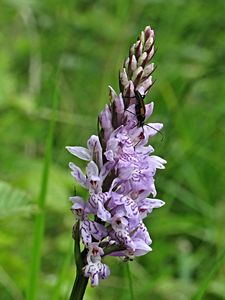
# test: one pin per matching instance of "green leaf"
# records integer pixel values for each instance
(14, 201)
(216, 264)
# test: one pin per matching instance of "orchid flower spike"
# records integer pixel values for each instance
(120, 170)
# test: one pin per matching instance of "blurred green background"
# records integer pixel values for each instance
(69, 52)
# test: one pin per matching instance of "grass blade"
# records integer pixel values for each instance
(9, 284)
(40, 217)
(203, 287)
(130, 282)
(63, 272)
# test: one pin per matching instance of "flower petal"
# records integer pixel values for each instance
(151, 129)
(98, 231)
(80, 152)
(78, 202)
(92, 170)
(78, 174)
(95, 149)
(105, 271)
(141, 248)
(149, 109)
(142, 233)
(157, 161)
(146, 206)
(85, 233)
(107, 167)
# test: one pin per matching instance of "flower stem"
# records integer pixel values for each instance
(80, 282)
(130, 282)
(79, 287)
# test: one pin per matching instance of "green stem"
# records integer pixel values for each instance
(79, 287)
(130, 282)
(80, 282)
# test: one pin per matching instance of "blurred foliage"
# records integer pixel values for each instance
(87, 42)
(13, 201)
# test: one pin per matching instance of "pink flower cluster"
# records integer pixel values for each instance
(120, 170)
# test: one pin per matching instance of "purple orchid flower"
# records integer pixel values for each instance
(94, 268)
(120, 170)
(88, 228)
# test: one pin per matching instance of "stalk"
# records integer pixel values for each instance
(80, 282)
